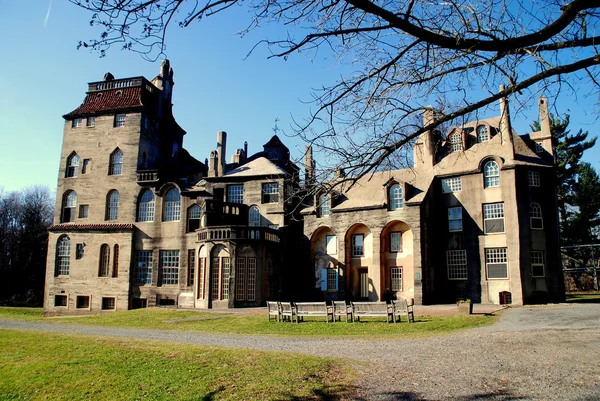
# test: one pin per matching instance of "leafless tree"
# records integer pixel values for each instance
(405, 55)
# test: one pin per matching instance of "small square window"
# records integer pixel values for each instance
(76, 123)
(539, 148)
(83, 211)
(83, 302)
(60, 300)
(108, 303)
(533, 178)
(396, 242)
(120, 120)
(78, 251)
(91, 122)
(270, 192)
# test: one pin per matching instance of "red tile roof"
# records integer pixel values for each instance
(109, 100)
(92, 227)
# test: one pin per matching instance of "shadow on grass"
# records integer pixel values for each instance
(211, 396)
(501, 395)
(326, 393)
(574, 299)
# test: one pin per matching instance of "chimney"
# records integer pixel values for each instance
(309, 166)
(237, 157)
(164, 80)
(505, 128)
(423, 150)
(544, 137)
(246, 148)
(221, 152)
(212, 164)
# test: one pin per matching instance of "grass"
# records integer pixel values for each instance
(590, 297)
(41, 366)
(169, 319)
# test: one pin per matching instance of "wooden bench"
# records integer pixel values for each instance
(340, 308)
(316, 309)
(287, 310)
(273, 310)
(403, 307)
(372, 309)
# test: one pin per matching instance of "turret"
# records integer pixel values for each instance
(505, 125)
(309, 166)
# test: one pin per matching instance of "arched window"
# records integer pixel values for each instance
(115, 272)
(172, 209)
(112, 205)
(194, 215)
(254, 216)
(491, 174)
(483, 133)
(324, 205)
(535, 216)
(456, 144)
(116, 163)
(146, 206)
(104, 261)
(72, 165)
(63, 251)
(396, 198)
(69, 205)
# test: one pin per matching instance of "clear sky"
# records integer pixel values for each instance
(43, 76)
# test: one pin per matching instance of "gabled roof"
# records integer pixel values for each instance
(259, 166)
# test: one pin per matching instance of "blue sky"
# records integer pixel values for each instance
(43, 76)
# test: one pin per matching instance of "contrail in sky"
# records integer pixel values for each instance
(48, 14)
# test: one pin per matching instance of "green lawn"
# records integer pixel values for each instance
(170, 319)
(40, 366)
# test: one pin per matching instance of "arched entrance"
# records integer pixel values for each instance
(397, 266)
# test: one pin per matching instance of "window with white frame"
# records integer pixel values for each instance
(172, 208)
(455, 216)
(483, 133)
(191, 266)
(145, 210)
(254, 216)
(112, 205)
(324, 205)
(270, 192)
(235, 193)
(535, 216)
(396, 278)
(539, 148)
(456, 142)
(76, 123)
(357, 241)
(396, 197)
(63, 256)
(116, 163)
(491, 174)
(169, 267)
(395, 241)
(69, 206)
(332, 279)
(496, 263)
(225, 271)
(457, 264)
(142, 271)
(240, 279)
(194, 215)
(331, 244)
(120, 120)
(91, 122)
(533, 178)
(452, 184)
(537, 264)
(493, 217)
(104, 265)
(72, 165)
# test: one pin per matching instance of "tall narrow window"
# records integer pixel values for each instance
(72, 165)
(235, 193)
(85, 166)
(112, 205)
(331, 244)
(63, 253)
(169, 267)
(116, 163)
(240, 279)
(535, 216)
(104, 261)
(254, 216)
(115, 272)
(324, 205)
(493, 217)
(455, 219)
(456, 144)
(225, 266)
(142, 273)
(331, 278)
(146, 206)
(251, 292)
(491, 174)
(69, 206)
(357, 245)
(214, 279)
(483, 133)
(194, 216)
(537, 264)
(396, 198)
(533, 178)
(396, 241)
(457, 264)
(172, 209)
(191, 266)
(396, 278)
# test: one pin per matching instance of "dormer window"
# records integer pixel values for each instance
(456, 142)
(324, 205)
(77, 123)
(120, 120)
(396, 197)
(483, 133)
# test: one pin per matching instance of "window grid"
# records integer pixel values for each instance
(457, 264)
(396, 198)
(491, 174)
(225, 265)
(254, 216)
(72, 165)
(214, 285)
(169, 267)
(455, 222)
(483, 133)
(60, 300)
(324, 205)
(235, 193)
(533, 178)
(456, 142)
(112, 211)
(240, 279)
(270, 192)
(332, 275)
(70, 206)
(91, 122)
(104, 261)
(172, 205)
(116, 163)
(539, 148)
(357, 245)
(82, 302)
(496, 261)
(77, 123)
(194, 216)
(251, 293)
(108, 303)
(395, 241)
(120, 120)
(201, 267)
(537, 264)
(63, 251)
(493, 217)
(115, 272)
(535, 216)
(191, 266)
(146, 206)
(143, 267)
(452, 184)
(396, 278)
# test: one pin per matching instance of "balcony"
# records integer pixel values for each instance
(219, 233)
(147, 176)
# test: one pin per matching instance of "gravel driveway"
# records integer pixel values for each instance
(539, 353)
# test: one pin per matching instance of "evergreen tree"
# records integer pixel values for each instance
(586, 220)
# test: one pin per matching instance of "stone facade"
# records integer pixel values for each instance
(139, 222)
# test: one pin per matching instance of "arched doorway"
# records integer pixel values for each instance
(397, 266)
